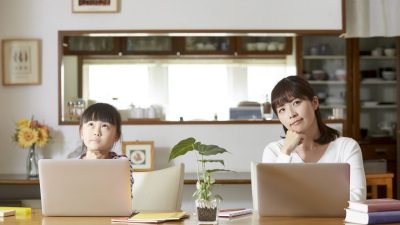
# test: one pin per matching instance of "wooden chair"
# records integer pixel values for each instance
(380, 179)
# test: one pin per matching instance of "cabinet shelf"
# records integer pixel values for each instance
(394, 106)
(327, 82)
(377, 81)
(323, 57)
(370, 57)
(323, 106)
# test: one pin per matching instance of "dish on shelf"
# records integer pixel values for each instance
(371, 80)
(370, 103)
(334, 101)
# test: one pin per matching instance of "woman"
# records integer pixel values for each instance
(307, 138)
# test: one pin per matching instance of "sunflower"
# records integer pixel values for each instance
(43, 136)
(23, 123)
(27, 137)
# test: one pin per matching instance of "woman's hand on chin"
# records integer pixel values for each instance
(292, 140)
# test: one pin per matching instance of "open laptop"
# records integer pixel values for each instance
(75, 187)
(303, 189)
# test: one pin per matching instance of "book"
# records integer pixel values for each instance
(376, 205)
(7, 212)
(353, 216)
(234, 212)
(151, 217)
(18, 210)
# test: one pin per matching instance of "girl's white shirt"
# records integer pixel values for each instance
(341, 150)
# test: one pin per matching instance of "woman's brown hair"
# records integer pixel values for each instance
(296, 87)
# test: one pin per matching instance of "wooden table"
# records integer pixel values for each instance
(36, 218)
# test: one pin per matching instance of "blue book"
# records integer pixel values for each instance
(353, 216)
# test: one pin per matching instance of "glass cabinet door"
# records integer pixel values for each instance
(89, 45)
(148, 45)
(265, 45)
(324, 66)
(378, 109)
(207, 45)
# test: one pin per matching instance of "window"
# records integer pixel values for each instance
(188, 90)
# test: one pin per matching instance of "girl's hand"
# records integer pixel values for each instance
(292, 140)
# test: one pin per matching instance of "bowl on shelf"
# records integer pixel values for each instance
(388, 75)
(340, 74)
(318, 74)
(389, 52)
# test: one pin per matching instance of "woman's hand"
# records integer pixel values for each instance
(292, 140)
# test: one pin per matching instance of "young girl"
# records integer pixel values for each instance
(308, 139)
(100, 129)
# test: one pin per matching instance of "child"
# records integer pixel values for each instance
(100, 129)
(307, 138)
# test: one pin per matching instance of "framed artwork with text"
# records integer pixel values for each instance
(21, 62)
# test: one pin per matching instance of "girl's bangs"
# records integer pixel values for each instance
(100, 115)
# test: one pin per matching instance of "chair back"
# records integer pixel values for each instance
(159, 190)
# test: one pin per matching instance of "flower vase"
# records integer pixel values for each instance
(207, 211)
(32, 163)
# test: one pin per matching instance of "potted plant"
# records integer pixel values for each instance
(206, 201)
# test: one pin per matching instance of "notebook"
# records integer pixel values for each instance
(76, 187)
(303, 189)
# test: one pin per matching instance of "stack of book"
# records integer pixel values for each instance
(373, 211)
(151, 217)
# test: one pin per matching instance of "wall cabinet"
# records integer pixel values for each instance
(177, 45)
(358, 80)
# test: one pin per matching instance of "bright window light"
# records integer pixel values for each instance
(261, 80)
(197, 92)
(119, 84)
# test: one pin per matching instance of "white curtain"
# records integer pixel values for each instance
(371, 18)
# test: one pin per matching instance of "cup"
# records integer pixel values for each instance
(337, 113)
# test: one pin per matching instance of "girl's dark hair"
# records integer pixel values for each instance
(102, 112)
(296, 87)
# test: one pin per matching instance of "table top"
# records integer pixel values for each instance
(254, 219)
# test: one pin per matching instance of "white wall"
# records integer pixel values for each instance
(43, 18)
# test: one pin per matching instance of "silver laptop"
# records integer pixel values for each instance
(303, 189)
(75, 187)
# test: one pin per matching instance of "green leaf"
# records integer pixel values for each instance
(213, 160)
(210, 149)
(182, 148)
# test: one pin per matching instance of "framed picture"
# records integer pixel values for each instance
(21, 61)
(95, 6)
(141, 154)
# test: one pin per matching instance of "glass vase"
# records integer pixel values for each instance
(32, 163)
(207, 211)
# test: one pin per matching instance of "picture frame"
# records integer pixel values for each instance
(21, 60)
(95, 6)
(141, 154)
